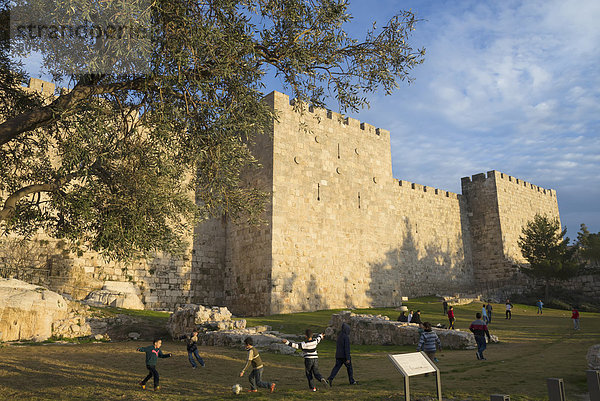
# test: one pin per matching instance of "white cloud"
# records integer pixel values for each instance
(512, 86)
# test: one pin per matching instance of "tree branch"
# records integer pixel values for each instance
(10, 205)
(24, 122)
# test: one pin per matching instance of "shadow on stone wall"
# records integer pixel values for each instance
(411, 270)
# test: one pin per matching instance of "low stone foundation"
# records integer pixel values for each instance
(263, 338)
(380, 330)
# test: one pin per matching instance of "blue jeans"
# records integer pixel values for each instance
(198, 357)
(255, 379)
(338, 364)
(481, 345)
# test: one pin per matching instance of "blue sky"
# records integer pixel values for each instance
(506, 85)
(509, 86)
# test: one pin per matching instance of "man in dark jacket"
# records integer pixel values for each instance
(342, 355)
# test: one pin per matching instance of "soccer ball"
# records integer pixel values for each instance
(236, 388)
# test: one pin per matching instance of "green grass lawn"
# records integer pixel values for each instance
(531, 349)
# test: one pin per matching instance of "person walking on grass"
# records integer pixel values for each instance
(539, 305)
(153, 352)
(255, 377)
(451, 318)
(429, 342)
(311, 359)
(445, 306)
(509, 307)
(488, 308)
(480, 331)
(191, 341)
(575, 317)
(342, 355)
(484, 315)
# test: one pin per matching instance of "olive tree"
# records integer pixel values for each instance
(111, 162)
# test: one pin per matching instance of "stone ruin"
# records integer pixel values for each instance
(189, 317)
(217, 328)
(32, 313)
(117, 294)
(380, 330)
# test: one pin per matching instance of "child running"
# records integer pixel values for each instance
(255, 377)
(311, 361)
(191, 341)
(153, 352)
(429, 342)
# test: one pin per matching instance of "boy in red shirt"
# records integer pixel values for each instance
(451, 318)
(575, 317)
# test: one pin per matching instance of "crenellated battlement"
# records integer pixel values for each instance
(281, 100)
(41, 86)
(427, 190)
(497, 175)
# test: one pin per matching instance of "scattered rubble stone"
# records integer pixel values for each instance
(191, 316)
(380, 330)
(593, 357)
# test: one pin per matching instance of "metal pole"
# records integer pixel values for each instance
(438, 384)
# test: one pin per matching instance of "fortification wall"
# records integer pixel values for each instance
(345, 232)
(499, 206)
(248, 261)
(339, 230)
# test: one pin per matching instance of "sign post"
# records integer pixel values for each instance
(414, 364)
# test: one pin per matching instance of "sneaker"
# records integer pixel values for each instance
(477, 355)
(330, 382)
(193, 367)
(253, 391)
(314, 389)
(272, 387)
(142, 385)
(324, 380)
(483, 358)
(435, 360)
(354, 383)
(157, 388)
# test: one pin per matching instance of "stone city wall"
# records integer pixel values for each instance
(345, 232)
(339, 231)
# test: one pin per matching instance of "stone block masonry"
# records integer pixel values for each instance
(339, 230)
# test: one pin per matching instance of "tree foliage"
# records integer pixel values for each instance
(111, 163)
(544, 246)
(588, 247)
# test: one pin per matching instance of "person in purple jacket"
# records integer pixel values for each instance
(342, 355)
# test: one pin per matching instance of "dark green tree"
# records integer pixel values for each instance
(545, 247)
(111, 163)
(588, 247)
